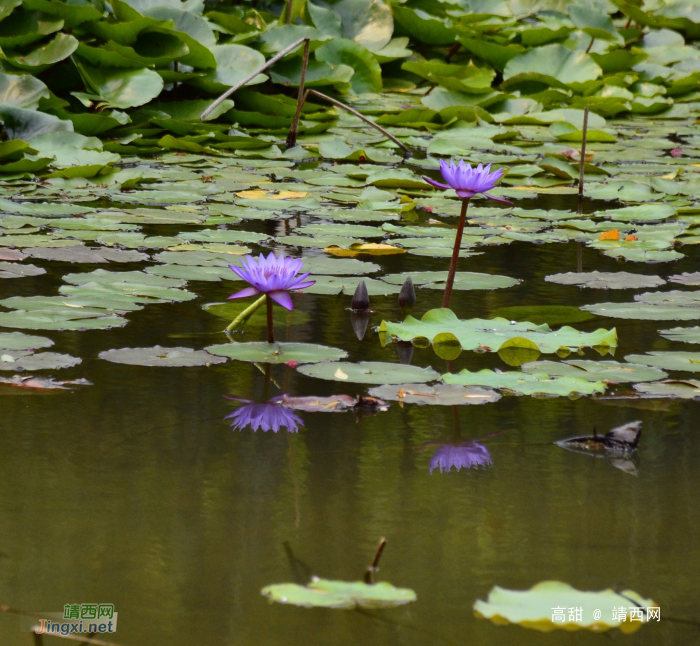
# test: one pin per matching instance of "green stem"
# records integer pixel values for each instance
(455, 253)
(243, 317)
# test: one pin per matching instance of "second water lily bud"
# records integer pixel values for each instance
(360, 299)
(407, 295)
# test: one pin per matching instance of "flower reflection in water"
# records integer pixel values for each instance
(466, 454)
(267, 416)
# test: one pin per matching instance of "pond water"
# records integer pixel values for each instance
(136, 491)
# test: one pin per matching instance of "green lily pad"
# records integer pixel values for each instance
(518, 350)
(82, 254)
(490, 334)
(348, 285)
(23, 360)
(668, 360)
(603, 280)
(607, 371)
(640, 213)
(686, 278)
(321, 593)
(370, 372)
(682, 334)
(644, 311)
(59, 320)
(19, 341)
(277, 352)
(159, 356)
(18, 270)
(533, 608)
(550, 314)
(672, 388)
(437, 395)
(464, 280)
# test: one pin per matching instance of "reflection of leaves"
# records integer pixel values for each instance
(533, 608)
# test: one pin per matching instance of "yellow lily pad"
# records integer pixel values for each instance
(372, 248)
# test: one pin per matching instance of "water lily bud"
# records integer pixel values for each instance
(407, 295)
(360, 299)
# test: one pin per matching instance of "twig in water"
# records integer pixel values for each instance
(374, 566)
(250, 77)
(337, 103)
(292, 135)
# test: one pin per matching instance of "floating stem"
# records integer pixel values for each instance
(250, 77)
(243, 317)
(455, 254)
(374, 565)
(292, 135)
(270, 325)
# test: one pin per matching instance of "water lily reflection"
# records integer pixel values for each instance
(464, 454)
(267, 416)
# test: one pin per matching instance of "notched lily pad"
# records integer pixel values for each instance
(19, 341)
(437, 395)
(80, 253)
(159, 356)
(27, 360)
(463, 280)
(277, 352)
(607, 371)
(321, 593)
(671, 388)
(18, 270)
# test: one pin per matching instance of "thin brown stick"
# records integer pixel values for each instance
(270, 326)
(292, 135)
(588, 49)
(374, 565)
(628, 23)
(250, 77)
(363, 117)
(288, 12)
(452, 51)
(455, 254)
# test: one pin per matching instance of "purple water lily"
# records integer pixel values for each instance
(468, 181)
(267, 416)
(272, 276)
(467, 455)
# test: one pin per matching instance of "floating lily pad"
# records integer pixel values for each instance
(19, 341)
(686, 278)
(23, 360)
(348, 285)
(602, 280)
(59, 320)
(159, 356)
(668, 360)
(533, 608)
(437, 395)
(321, 593)
(644, 311)
(522, 383)
(18, 270)
(370, 372)
(277, 352)
(672, 388)
(80, 253)
(607, 371)
(490, 334)
(463, 280)
(682, 334)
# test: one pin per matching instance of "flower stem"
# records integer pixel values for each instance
(243, 317)
(455, 253)
(270, 327)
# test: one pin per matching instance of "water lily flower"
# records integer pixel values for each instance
(468, 181)
(267, 416)
(272, 276)
(467, 455)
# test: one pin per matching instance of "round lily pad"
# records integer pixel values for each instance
(686, 389)
(321, 593)
(159, 356)
(370, 372)
(277, 352)
(550, 314)
(607, 371)
(682, 334)
(437, 395)
(686, 278)
(603, 280)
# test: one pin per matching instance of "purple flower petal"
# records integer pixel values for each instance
(248, 291)
(283, 298)
(498, 199)
(434, 183)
